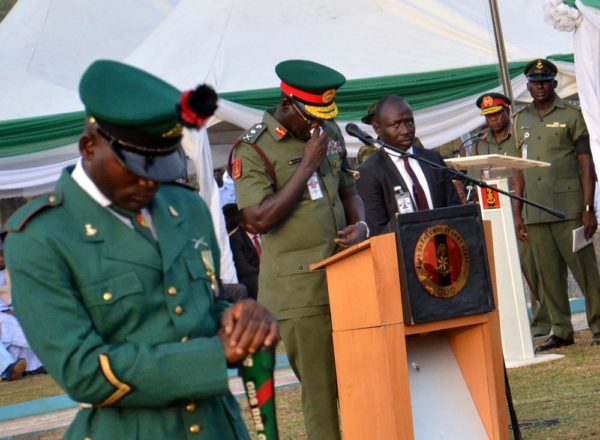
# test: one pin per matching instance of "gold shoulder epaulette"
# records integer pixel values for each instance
(23, 215)
(253, 133)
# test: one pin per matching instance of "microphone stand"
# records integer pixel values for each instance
(460, 175)
(463, 146)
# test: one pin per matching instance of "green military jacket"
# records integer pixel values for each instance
(287, 287)
(551, 138)
(124, 325)
(489, 145)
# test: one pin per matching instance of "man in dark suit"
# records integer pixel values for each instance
(388, 180)
(245, 247)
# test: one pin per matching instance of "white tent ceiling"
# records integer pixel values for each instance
(46, 44)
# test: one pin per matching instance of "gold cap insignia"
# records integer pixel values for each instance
(173, 132)
(488, 101)
(328, 96)
(539, 64)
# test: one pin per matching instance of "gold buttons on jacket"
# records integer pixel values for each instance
(178, 310)
(172, 291)
(107, 296)
(195, 429)
(184, 339)
(190, 407)
(52, 198)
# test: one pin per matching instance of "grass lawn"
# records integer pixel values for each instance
(553, 400)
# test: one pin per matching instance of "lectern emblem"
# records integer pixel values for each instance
(442, 261)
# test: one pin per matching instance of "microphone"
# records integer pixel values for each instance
(463, 145)
(353, 130)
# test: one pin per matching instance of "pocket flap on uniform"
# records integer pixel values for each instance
(298, 262)
(112, 289)
(196, 268)
(567, 185)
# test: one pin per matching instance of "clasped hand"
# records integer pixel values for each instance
(247, 327)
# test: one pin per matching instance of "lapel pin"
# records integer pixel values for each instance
(173, 212)
(90, 231)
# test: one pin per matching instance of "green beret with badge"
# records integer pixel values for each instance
(540, 70)
(312, 85)
(141, 116)
(490, 103)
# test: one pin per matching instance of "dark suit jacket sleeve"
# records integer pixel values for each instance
(246, 261)
(371, 188)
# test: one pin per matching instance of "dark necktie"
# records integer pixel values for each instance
(418, 192)
(137, 221)
(256, 243)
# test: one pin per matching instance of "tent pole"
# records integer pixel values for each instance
(504, 74)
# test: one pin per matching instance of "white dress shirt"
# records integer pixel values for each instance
(416, 166)
(83, 180)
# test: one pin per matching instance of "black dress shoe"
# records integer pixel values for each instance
(15, 370)
(595, 341)
(553, 342)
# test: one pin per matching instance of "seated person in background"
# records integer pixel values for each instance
(390, 183)
(16, 357)
(10, 368)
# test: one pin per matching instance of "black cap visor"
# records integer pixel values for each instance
(536, 78)
(163, 168)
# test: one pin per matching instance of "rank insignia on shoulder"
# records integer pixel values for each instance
(236, 168)
(280, 131)
(253, 133)
(24, 214)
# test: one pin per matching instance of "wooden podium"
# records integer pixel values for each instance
(382, 381)
(495, 169)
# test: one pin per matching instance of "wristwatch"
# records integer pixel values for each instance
(589, 208)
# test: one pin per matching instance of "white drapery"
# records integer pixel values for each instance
(36, 173)
(586, 45)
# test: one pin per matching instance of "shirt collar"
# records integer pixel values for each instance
(395, 155)
(83, 180)
(277, 130)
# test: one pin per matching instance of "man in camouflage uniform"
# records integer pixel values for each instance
(291, 186)
(553, 130)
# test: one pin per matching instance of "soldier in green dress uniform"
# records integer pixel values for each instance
(553, 130)
(291, 186)
(498, 139)
(115, 273)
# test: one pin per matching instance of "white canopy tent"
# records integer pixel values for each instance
(46, 44)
